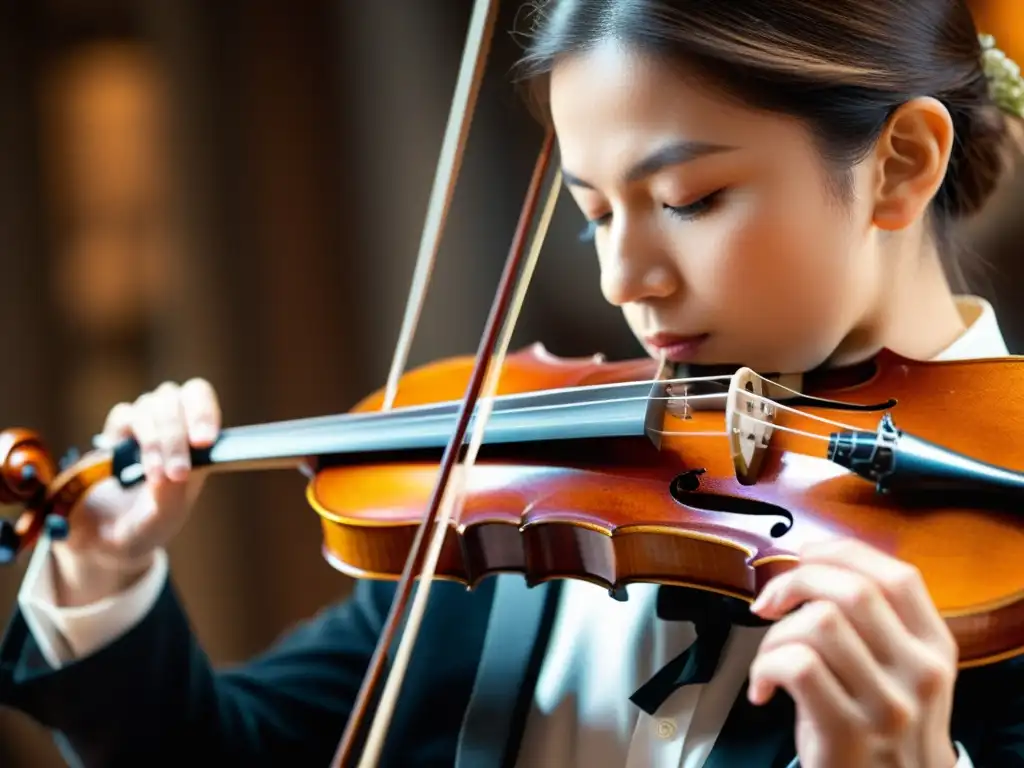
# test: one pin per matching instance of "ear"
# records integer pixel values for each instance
(911, 157)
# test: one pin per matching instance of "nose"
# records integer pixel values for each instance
(635, 268)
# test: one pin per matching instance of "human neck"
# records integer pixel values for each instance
(915, 316)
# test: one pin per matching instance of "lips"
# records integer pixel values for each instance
(675, 347)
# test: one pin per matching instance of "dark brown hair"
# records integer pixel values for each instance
(841, 66)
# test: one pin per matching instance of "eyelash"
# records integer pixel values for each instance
(689, 212)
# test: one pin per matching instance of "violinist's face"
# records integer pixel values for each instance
(743, 242)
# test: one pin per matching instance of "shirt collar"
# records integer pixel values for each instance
(982, 338)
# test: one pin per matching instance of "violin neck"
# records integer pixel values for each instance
(585, 413)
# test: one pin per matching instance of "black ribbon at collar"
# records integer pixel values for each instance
(713, 616)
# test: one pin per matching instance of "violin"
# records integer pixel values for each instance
(615, 472)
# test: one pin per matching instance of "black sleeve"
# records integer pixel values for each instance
(152, 697)
(988, 714)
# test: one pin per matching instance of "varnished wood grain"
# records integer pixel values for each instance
(593, 515)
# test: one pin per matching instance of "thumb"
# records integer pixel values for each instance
(152, 519)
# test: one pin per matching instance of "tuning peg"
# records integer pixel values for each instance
(69, 458)
(9, 540)
(56, 527)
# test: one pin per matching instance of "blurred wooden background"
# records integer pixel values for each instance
(236, 190)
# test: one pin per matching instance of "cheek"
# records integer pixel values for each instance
(780, 275)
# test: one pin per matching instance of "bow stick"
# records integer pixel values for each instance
(441, 508)
(444, 504)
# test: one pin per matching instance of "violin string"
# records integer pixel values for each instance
(512, 317)
(414, 410)
(413, 416)
(432, 412)
(317, 423)
(773, 425)
(289, 426)
(804, 414)
(256, 436)
(684, 433)
(436, 410)
(674, 399)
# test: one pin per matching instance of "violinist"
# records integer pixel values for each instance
(767, 183)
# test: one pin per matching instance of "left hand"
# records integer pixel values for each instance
(867, 659)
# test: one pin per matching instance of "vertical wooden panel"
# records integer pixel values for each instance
(264, 299)
(33, 352)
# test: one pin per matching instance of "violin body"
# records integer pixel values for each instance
(623, 510)
(694, 483)
(614, 472)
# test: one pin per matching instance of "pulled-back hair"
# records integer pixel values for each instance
(842, 67)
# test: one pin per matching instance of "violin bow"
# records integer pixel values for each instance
(443, 507)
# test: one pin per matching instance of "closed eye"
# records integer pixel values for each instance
(689, 212)
(696, 209)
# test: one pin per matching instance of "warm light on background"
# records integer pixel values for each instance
(237, 191)
(1004, 19)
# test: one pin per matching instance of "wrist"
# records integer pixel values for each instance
(947, 755)
(81, 579)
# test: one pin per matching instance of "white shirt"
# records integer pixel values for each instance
(601, 650)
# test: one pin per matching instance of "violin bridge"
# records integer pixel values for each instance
(748, 421)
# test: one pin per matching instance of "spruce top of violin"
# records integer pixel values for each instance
(913, 457)
(599, 471)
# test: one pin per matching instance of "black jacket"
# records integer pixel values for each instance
(151, 698)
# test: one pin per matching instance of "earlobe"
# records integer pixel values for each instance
(911, 156)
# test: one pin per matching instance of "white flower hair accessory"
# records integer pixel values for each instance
(1005, 85)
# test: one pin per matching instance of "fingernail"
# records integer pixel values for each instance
(754, 694)
(177, 469)
(205, 433)
(764, 600)
(761, 601)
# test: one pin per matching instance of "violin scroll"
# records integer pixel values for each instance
(26, 467)
(45, 489)
(26, 470)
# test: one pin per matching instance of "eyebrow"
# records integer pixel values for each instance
(671, 154)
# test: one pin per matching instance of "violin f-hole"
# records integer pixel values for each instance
(684, 492)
